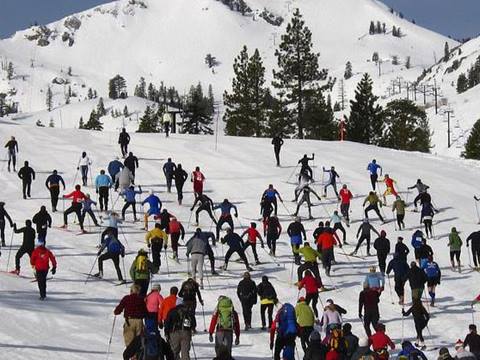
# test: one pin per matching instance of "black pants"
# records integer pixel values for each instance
(305, 333)
(84, 172)
(339, 226)
(116, 262)
(374, 208)
(283, 342)
(124, 148)
(370, 319)
(92, 215)
(247, 312)
(22, 251)
(223, 220)
(254, 249)
(134, 207)
(26, 187)
(2, 230)
(174, 237)
(269, 309)
(428, 227)
(361, 240)
(277, 154)
(42, 233)
(143, 286)
(206, 208)
(103, 192)
(476, 256)
(399, 286)
(169, 179)
(327, 257)
(313, 298)
(74, 208)
(109, 229)
(419, 326)
(12, 158)
(272, 242)
(179, 186)
(345, 209)
(401, 224)
(42, 282)
(54, 192)
(157, 253)
(332, 184)
(382, 260)
(274, 202)
(240, 253)
(312, 266)
(373, 180)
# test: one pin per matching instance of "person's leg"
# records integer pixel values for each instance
(92, 215)
(24, 189)
(174, 240)
(124, 209)
(42, 283)
(116, 263)
(157, 253)
(359, 243)
(255, 255)
(270, 315)
(220, 223)
(227, 257)
(377, 211)
(314, 304)
(242, 255)
(2, 231)
(101, 259)
(263, 309)
(22, 251)
(368, 245)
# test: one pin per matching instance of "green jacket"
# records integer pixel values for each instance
(136, 273)
(304, 314)
(454, 241)
(372, 200)
(399, 207)
(309, 253)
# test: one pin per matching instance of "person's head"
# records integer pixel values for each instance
(329, 302)
(373, 269)
(151, 192)
(26, 163)
(165, 211)
(225, 201)
(157, 287)
(179, 166)
(77, 187)
(43, 208)
(419, 181)
(454, 229)
(344, 186)
(55, 172)
(158, 226)
(41, 241)
(131, 187)
(335, 212)
(246, 275)
(327, 223)
(135, 289)
(347, 328)
(304, 155)
(169, 159)
(28, 223)
(365, 220)
(197, 168)
(444, 354)
(306, 244)
(406, 345)
(123, 130)
(371, 193)
(102, 172)
(130, 153)
(2, 204)
(308, 273)
(173, 290)
(198, 231)
(380, 327)
(253, 225)
(320, 224)
(400, 239)
(228, 229)
(413, 264)
(13, 137)
(386, 176)
(142, 252)
(472, 328)
(87, 196)
(301, 299)
(270, 186)
(264, 278)
(383, 233)
(84, 154)
(374, 161)
(297, 219)
(398, 197)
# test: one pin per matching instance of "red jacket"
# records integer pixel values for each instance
(168, 304)
(236, 324)
(41, 257)
(346, 196)
(197, 177)
(133, 306)
(389, 183)
(310, 284)
(252, 235)
(77, 195)
(326, 240)
(380, 340)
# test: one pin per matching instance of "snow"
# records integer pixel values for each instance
(75, 320)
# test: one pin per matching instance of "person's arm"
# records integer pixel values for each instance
(69, 195)
(303, 232)
(199, 295)
(195, 203)
(244, 233)
(49, 221)
(360, 304)
(260, 238)
(236, 210)
(8, 217)
(359, 229)
(182, 231)
(374, 230)
(120, 307)
(213, 324)
(135, 159)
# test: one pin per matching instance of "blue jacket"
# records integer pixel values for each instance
(373, 168)
(169, 168)
(114, 168)
(154, 203)
(410, 352)
(417, 239)
(225, 208)
(87, 204)
(400, 268)
(233, 240)
(374, 280)
(54, 180)
(129, 194)
(112, 245)
(103, 181)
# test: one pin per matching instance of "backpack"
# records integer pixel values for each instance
(335, 340)
(225, 313)
(114, 246)
(287, 322)
(188, 289)
(141, 264)
(431, 269)
(150, 342)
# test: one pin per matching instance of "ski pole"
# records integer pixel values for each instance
(9, 251)
(111, 336)
(204, 322)
(291, 174)
(124, 271)
(205, 271)
(291, 273)
(91, 270)
(273, 259)
(390, 288)
(403, 322)
(476, 208)
(325, 208)
(193, 348)
(166, 262)
(473, 315)
(188, 265)
(288, 212)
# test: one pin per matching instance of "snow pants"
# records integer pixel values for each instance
(54, 192)
(180, 341)
(223, 342)
(116, 262)
(42, 282)
(131, 329)
(287, 344)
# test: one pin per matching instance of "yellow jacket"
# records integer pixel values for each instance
(156, 233)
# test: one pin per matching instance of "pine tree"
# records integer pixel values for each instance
(10, 71)
(462, 83)
(49, 99)
(141, 89)
(378, 28)
(69, 71)
(211, 100)
(152, 93)
(319, 118)
(371, 31)
(348, 70)
(472, 146)
(81, 125)
(90, 93)
(101, 111)
(298, 67)
(446, 52)
(365, 124)
(406, 127)
(148, 122)
(93, 122)
(395, 60)
(375, 57)
(51, 123)
(384, 28)
(279, 118)
(197, 119)
(394, 30)
(117, 88)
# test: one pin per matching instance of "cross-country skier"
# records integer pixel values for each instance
(124, 140)
(350, 339)
(426, 217)
(12, 149)
(434, 275)
(168, 304)
(399, 207)
(206, 204)
(310, 256)
(306, 190)
(472, 340)
(77, 197)
(401, 249)
(235, 245)
(374, 202)
(368, 300)
(197, 179)
(417, 279)
(27, 174)
(155, 206)
(332, 180)
(154, 302)
(175, 230)
(83, 164)
(272, 231)
(266, 210)
(114, 168)
(103, 183)
(326, 241)
(305, 321)
(163, 219)
(411, 352)
(206, 236)
(53, 185)
(179, 327)
(277, 143)
(155, 239)
(364, 231)
(131, 163)
(189, 292)
(420, 186)
(112, 224)
(40, 261)
(270, 196)
(285, 329)
(375, 280)
(424, 252)
(455, 244)
(129, 195)
(42, 221)
(380, 342)
(225, 324)
(87, 209)
(268, 299)
(400, 270)
(225, 216)
(420, 318)
(28, 243)
(197, 249)
(389, 188)
(3, 215)
(373, 168)
(247, 294)
(423, 198)
(345, 197)
(114, 249)
(382, 245)
(331, 319)
(336, 220)
(141, 271)
(312, 286)
(169, 169)
(295, 231)
(180, 176)
(252, 237)
(306, 169)
(475, 239)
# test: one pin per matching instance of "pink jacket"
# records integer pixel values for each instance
(153, 301)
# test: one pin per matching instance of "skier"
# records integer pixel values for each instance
(336, 220)
(166, 127)
(463, 354)
(272, 231)
(285, 327)
(114, 249)
(316, 350)
(40, 259)
(180, 176)
(169, 169)
(225, 216)
(312, 287)
(134, 311)
(112, 220)
(129, 195)
(400, 270)
(369, 299)
(417, 241)
(155, 239)
(197, 248)
(277, 143)
(382, 245)
(124, 179)
(155, 205)
(389, 188)
(76, 207)
(380, 342)
(103, 183)
(374, 203)
(87, 209)
(364, 231)
(310, 255)
(12, 149)
(475, 238)
(306, 190)
(168, 304)
(235, 245)
(189, 292)
(420, 186)
(305, 320)
(423, 198)
(331, 319)
(206, 236)
(295, 231)
(427, 217)
(179, 327)
(175, 229)
(247, 294)
(332, 181)
(268, 298)
(266, 210)
(350, 339)
(374, 280)
(27, 174)
(124, 140)
(225, 324)
(399, 206)
(154, 302)
(197, 179)
(345, 197)
(306, 169)
(28, 244)
(424, 252)
(42, 221)
(417, 279)
(53, 185)
(434, 275)
(3, 215)
(411, 352)
(326, 241)
(114, 168)
(253, 234)
(83, 165)
(141, 271)
(472, 340)
(401, 249)
(206, 204)
(373, 168)
(270, 196)
(131, 163)
(455, 245)
(421, 318)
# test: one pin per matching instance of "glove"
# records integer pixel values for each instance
(54, 270)
(78, 168)
(271, 345)
(149, 245)
(191, 209)
(403, 312)
(263, 246)
(237, 341)
(210, 338)
(98, 253)
(201, 302)
(236, 215)
(123, 254)
(165, 247)
(160, 324)
(96, 191)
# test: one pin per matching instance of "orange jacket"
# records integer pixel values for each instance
(168, 304)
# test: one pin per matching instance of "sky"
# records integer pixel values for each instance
(456, 18)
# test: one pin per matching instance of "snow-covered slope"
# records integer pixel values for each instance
(76, 319)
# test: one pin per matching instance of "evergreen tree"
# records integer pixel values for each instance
(10, 71)
(365, 124)
(125, 111)
(375, 57)
(81, 124)
(348, 70)
(51, 123)
(462, 83)
(378, 28)
(371, 31)
(152, 93)
(406, 127)
(394, 30)
(90, 93)
(197, 117)
(211, 99)
(319, 118)
(49, 99)
(141, 89)
(384, 28)
(298, 67)
(117, 88)
(279, 120)
(101, 111)
(395, 60)
(95, 94)
(148, 122)
(446, 52)
(408, 64)
(93, 122)
(69, 71)
(67, 97)
(472, 147)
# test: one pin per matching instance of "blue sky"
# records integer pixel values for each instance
(457, 18)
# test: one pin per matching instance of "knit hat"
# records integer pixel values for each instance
(444, 354)
(301, 299)
(157, 287)
(458, 344)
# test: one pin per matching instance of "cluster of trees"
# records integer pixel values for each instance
(163, 95)
(6, 107)
(472, 146)
(117, 88)
(397, 32)
(377, 28)
(471, 79)
(94, 122)
(237, 5)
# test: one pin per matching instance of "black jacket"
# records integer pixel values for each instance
(425, 251)
(178, 319)
(28, 237)
(247, 291)
(402, 250)
(296, 228)
(189, 291)
(180, 176)
(4, 214)
(123, 138)
(42, 219)
(131, 162)
(26, 173)
(382, 245)
(417, 278)
(265, 290)
(277, 142)
(473, 341)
